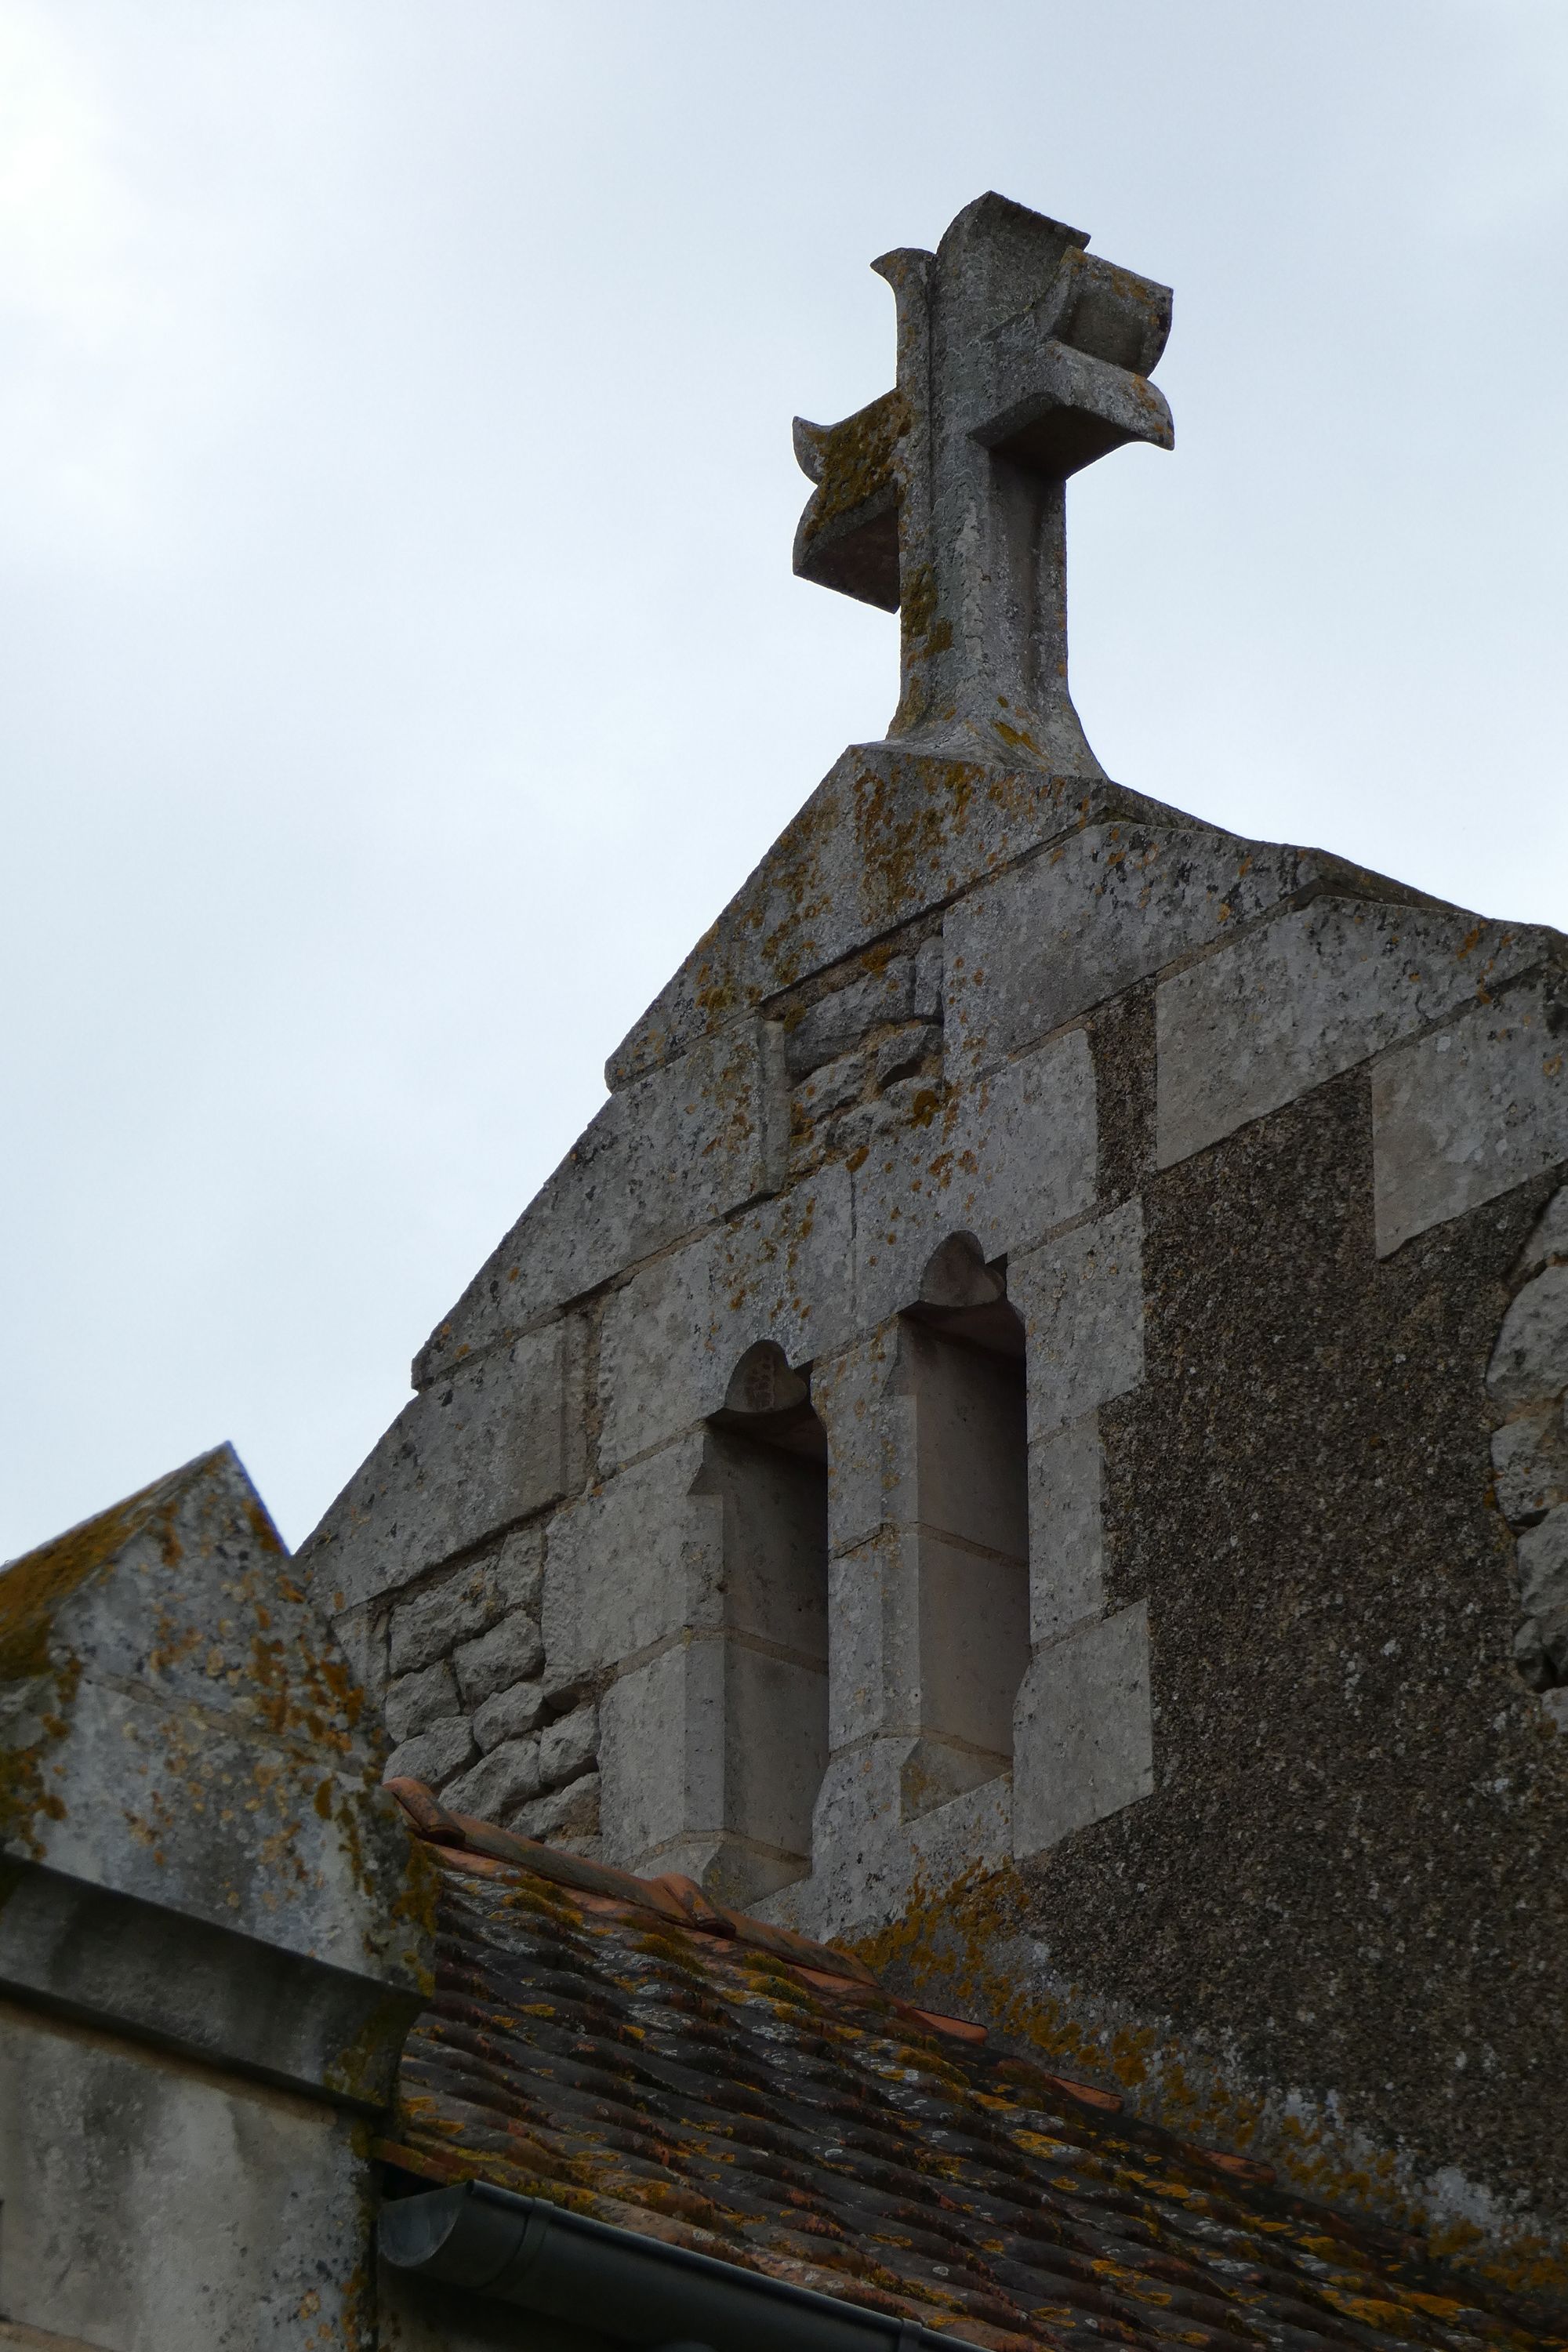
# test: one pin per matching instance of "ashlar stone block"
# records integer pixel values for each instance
(1081, 1298)
(1006, 1160)
(1308, 994)
(631, 1565)
(863, 1689)
(1067, 1576)
(674, 1333)
(152, 2204)
(178, 1729)
(784, 1272)
(1088, 917)
(1083, 1735)
(676, 1149)
(1464, 1115)
(495, 1442)
(661, 1750)
(847, 1394)
(659, 1370)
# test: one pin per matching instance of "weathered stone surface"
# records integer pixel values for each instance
(1013, 343)
(659, 1369)
(177, 1726)
(509, 1714)
(1083, 1733)
(846, 1392)
(674, 1333)
(1544, 1564)
(1005, 1160)
(1530, 1463)
(888, 834)
(1550, 1239)
(568, 1816)
(869, 1859)
(434, 1754)
(675, 1149)
(568, 1746)
(615, 1574)
(784, 1272)
(510, 1652)
(867, 1693)
(1067, 1566)
(429, 1624)
(1308, 994)
(1050, 939)
(1531, 1361)
(838, 1021)
(1081, 1299)
(927, 1004)
(660, 1753)
(907, 1052)
(417, 1701)
(494, 1442)
(1479, 1107)
(493, 1788)
(832, 1088)
(516, 1573)
(150, 2204)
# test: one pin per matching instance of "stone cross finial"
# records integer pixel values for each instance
(1020, 360)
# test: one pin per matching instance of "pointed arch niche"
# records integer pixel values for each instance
(765, 1461)
(962, 1374)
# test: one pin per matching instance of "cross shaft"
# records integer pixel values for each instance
(1021, 359)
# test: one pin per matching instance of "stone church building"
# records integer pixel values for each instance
(1017, 1470)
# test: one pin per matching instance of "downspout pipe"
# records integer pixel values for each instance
(519, 2250)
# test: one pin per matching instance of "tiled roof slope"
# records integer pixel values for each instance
(627, 2049)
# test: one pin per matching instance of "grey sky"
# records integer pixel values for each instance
(403, 661)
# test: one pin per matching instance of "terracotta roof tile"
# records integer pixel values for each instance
(629, 2048)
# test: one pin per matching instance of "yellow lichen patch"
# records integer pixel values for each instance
(855, 460)
(33, 1587)
(957, 1946)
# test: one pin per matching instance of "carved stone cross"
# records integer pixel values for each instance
(1020, 360)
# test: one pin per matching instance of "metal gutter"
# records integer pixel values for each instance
(520, 2251)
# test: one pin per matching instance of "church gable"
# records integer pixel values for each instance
(1015, 1342)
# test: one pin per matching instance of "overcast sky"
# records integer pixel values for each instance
(403, 663)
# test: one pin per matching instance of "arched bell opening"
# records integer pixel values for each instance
(963, 1370)
(766, 1457)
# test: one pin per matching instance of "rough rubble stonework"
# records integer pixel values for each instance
(1124, 1215)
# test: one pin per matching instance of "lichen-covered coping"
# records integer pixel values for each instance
(624, 2048)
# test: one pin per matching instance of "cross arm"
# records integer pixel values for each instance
(849, 535)
(1067, 380)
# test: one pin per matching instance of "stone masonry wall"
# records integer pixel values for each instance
(1226, 1153)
